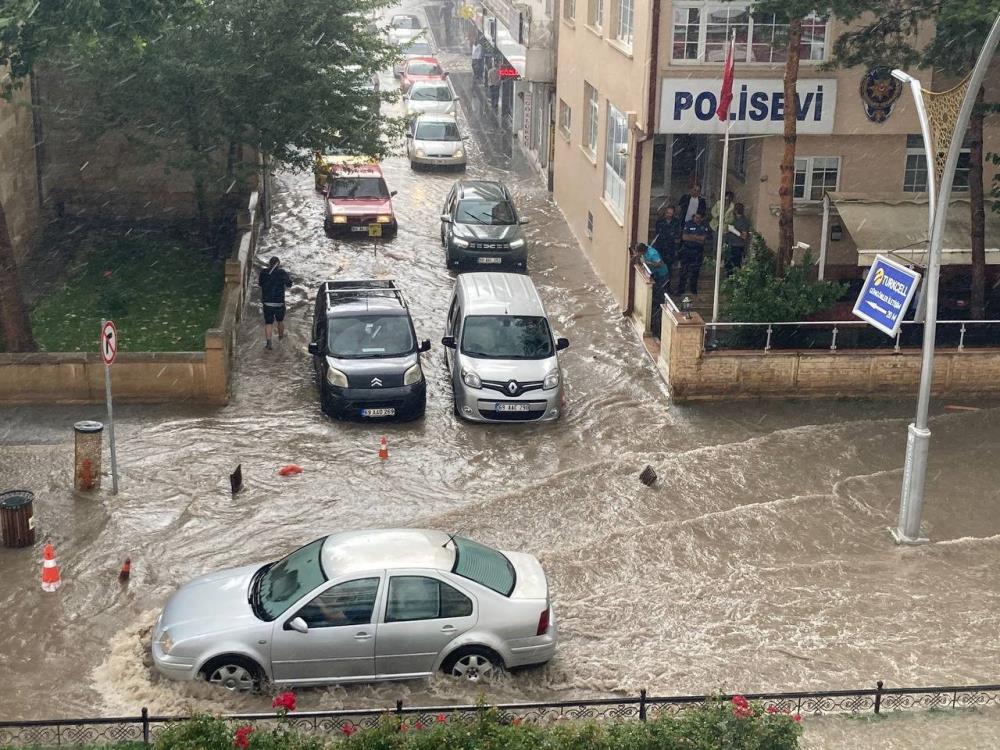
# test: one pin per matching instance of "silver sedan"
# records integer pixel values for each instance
(360, 606)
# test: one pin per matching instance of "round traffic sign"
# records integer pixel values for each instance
(109, 342)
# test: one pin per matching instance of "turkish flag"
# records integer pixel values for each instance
(726, 95)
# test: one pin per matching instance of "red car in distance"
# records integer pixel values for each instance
(356, 198)
(421, 69)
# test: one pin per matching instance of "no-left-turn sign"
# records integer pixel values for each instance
(109, 342)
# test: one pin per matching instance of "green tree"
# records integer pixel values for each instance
(29, 32)
(891, 37)
(284, 77)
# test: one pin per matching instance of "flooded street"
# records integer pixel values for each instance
(759, 561)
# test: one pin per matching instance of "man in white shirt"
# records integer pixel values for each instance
(477, 61)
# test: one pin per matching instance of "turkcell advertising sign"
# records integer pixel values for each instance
(688, 105)
(886, 294)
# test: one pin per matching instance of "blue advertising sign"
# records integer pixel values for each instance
(886, 294)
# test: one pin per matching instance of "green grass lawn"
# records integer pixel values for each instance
(162, 292)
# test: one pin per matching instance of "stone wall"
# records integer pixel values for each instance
(694, 374)
(47, 377)
(18, 170)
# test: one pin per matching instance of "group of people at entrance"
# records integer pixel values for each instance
(486, 69)
(682, 236)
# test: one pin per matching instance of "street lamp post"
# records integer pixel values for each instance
(925, 131)
(918, 437)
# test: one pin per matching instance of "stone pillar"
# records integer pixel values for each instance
(642, 301)
(216, 367)
(682, 345)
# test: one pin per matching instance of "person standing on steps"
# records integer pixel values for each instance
(695, 235)
(273, 281)
(692, 203)
(493, 82)
(737, 236)
(477, 60)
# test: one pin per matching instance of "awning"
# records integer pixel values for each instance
(895, 224)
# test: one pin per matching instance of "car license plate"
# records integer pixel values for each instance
(513, 407)
(378, 412)
(491, 260)
(362, 228)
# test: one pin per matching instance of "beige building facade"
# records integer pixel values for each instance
(635, 129)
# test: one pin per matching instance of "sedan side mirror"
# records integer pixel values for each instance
(446, 218)
(298, 625)
(392, 193)
(425, 346)
(313, 348)
(562, 344)
(409, 135)
(448, 341)
(524, 221)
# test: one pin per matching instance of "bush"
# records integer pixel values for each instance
(756, 294)
(730, 725)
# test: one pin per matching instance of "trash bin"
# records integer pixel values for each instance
(17, 519)
(87, 462)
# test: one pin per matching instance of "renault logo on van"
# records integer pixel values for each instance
(512, 387)
(376, 383)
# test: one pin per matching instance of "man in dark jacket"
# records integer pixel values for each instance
(667, 238)
(693, 241)
(692, 203)
(273, 281)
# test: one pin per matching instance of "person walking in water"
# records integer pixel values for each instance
(273, 281)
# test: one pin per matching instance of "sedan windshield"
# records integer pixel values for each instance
(483, 565)
(484, 212)
(358, 187)
(288, 580)
(506, 337)
(437, 131)
(418, 49)
(369, 336)
(405, 22)
(424, 69)
(430, 94)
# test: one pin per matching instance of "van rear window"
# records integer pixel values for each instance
(484, 565)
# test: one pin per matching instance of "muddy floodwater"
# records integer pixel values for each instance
(759, 561)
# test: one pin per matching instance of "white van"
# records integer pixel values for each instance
(500, 351)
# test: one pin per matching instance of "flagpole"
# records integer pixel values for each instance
(722, 228)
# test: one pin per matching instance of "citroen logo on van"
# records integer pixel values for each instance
(376, 383)
(512, 387)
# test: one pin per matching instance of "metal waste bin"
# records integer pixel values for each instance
(17, 518)
(87, 462)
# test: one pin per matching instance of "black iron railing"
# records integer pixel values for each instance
(144, 728)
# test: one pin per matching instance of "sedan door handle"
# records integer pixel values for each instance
(448, 629)
(362, 636)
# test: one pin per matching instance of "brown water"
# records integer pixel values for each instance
(759, 561)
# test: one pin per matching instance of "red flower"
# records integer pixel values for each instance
(284, 702)
(241, 738)
(772, 709)
(404, 727)
(442, 718)
(418, 725)
(108, 274)
(348, 730)
(516, 722)
(740, 702)
(797, 717)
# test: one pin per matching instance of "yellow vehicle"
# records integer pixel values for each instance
(324, 160)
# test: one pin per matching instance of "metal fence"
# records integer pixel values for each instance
(144, 729)
(829, 335)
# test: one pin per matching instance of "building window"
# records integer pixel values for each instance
(703, 28)
(624, 11)
(616, 160)
(595, 13)
(590, 225)
(814, 176)
(915, 172)
(565, 117)
(590, 115)
(569, 9)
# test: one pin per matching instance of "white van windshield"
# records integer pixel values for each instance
(507, 337)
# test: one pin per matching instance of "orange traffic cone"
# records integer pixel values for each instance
(383, 448)
(126, 570)
(50, 570)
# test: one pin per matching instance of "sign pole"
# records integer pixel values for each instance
(911, 498)
(109, 346)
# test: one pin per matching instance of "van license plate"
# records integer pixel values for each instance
(361, 228)
(513, 407)
(491, 260)
(378, 412)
